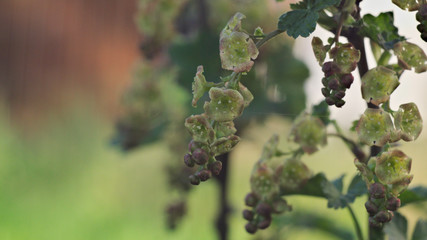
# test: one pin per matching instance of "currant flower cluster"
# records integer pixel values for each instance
(213, 132)
(338, 76)
(271, 180)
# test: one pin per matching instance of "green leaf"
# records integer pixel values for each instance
(321, 111)
(333, 193)
(313, 187)
(338, 183)
(413, 195)
(420, 232)
(381, 30)
(299, 22)
(302, 20)
(398, 227)
(356, 188)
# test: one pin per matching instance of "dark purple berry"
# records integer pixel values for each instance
(371, 208)
(393, 203)
(339, 94)
(330, 101)
(377, 190)
(200, 156)
(325, 82)
(195, 180)
(325, 92)
(374, 223)
(383, 216)
(327, 67)
(264, 223)
(333, 84)
(263, 209)
(248, 214)
(204, 175)
(347, 80)
(423, 11)
(339, 103)
(215, 167)
(251, 228)
(188, 160)
(251, 200)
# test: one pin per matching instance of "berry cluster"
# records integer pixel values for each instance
(421, 17)
(380, 206)
(259, 217)
(338, 75)
(198, 154)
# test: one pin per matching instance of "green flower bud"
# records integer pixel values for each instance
(225, 104)
(224, 144)
(410, 56)
(199, 128)
(309, 132)
(378, 84)
(408, 120)
(345, 56)
(236, 47)
(292, 174)
(198, 86)
(263, 182)
(280, 205)
(319, 50)
(375, 127)
(393, 167)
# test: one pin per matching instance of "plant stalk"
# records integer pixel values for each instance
(356, 223)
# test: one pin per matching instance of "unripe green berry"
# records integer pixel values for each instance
(251, 228)
(251, 200)
(377, 191)
(188, 160)
(248, 214)
(393, 203)
(200, 156)
(325, 82)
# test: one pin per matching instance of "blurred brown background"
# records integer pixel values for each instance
(51, 50)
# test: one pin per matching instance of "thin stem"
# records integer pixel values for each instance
(356, 223)
(268, 37)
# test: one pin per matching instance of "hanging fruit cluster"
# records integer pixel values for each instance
(338, 76)
(213, 131)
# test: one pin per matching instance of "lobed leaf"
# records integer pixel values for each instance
(300, 22)
(420, 231)
(398, 227)
(381, 29)
(413, 195)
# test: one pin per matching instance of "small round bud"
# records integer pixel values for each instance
(251, 200)
(264, 223)
(251, 228)
(204, 175)
(377, 191)
(195, 180)
(330, 101)
(393, 203)
(334, 84)
(347, 80)
(263, 209)
(280, 205)
(374, 223)
(200, 156)
(248, 214)
(325, 92)
(371, 208)
(383, 216)
(188, 160)
(215, 167)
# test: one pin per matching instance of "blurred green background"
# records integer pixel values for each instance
(63, 67)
